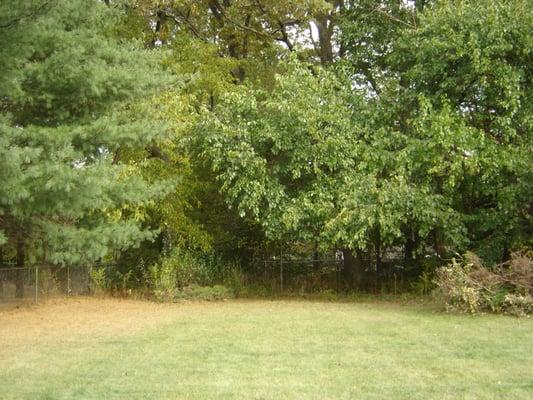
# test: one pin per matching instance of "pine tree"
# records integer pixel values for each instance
(70, 91)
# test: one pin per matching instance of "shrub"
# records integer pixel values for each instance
(424, 284)
(468, 286)
(99, 283)
(48, 282)
(234, 278)
(163, 280)
(182, 270)
(518, 305)
(192, 268)
(122, 283)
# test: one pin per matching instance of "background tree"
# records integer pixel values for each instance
(473, 61)
(449, 81)
(414, 151)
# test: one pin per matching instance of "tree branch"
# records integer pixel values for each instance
(30, 15)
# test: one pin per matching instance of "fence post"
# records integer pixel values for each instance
(36, 283)
(68, 280)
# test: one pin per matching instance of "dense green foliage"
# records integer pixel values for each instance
(395, 133)
(275, 160)
(68, 88)
(472, 66)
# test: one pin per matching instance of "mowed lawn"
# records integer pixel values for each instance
(117, 349)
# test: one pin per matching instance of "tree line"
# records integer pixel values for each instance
(218, 132)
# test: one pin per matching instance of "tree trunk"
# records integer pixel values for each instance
(506, 254)
(438, 243)
(353, 267)
(348, 268)
(409, 247)
(325, 33)
(316, 258)
(19, 274)
(359, 271)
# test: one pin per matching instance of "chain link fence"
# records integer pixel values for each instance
(296, 274)
(32, 284)
(309, 275)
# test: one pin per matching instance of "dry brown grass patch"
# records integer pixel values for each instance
(91, 318)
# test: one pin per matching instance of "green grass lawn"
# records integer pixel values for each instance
(271, 350)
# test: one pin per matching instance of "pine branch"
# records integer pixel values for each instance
(22, 17)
